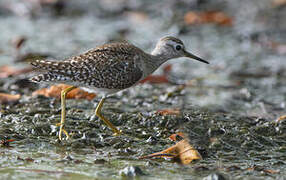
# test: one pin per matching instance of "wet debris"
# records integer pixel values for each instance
(131, 171)
(262, 169)
(5, 142)
(233, 168)
(165, 112)
(249, 73)
(201, 168)
(28, 159)
(69, 159)
(99, 161)
(215, 176)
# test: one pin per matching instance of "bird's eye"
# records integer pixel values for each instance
(178, 47)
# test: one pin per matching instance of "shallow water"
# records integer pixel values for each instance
(228, 110)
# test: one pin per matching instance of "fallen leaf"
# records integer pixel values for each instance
(278, 3)
(187, 153)
(7, 71)
(165, 112)
(281, 118)
(9, 98)
(182, 152)
(261, 168)
(192, 18)
(175, 137)
(28, 159)
(271, 171)
(155, 79)
(233, 168)
(55, 91)
(215, 17)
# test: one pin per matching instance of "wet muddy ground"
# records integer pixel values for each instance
(228, 109)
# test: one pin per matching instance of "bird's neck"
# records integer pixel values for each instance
(153, 61)
(159, 57)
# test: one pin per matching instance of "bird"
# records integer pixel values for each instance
(108, 68)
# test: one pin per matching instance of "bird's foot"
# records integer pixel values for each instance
(117, 132)
(62, 130)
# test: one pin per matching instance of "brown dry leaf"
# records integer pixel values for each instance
(271, 171)
(155, 79)
(281, 118)
(9, 98)
(278, 3)
(6, 71)
(182, 152)
(186, 153)
(55, 91)
(215, 17)
(158, 78)
(261, 168)
(174, 137)
(165, 112)
(192, 18)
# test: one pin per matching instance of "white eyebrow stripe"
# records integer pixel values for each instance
(173, 43)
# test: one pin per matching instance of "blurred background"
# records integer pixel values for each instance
(241, 39)
(244, 41)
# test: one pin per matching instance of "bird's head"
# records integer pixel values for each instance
(170, 47)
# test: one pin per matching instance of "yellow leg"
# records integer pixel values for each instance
(63, 112)
(108, 123)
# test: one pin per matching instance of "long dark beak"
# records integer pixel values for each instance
(190, 55)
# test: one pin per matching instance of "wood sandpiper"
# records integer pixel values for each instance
(108, 68)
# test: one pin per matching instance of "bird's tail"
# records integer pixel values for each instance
(48, 77)
(41, 77)
(55, 71)
(51, 66)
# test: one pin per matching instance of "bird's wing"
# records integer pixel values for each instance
(108, 66)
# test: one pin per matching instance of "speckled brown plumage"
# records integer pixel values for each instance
(111, 66)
